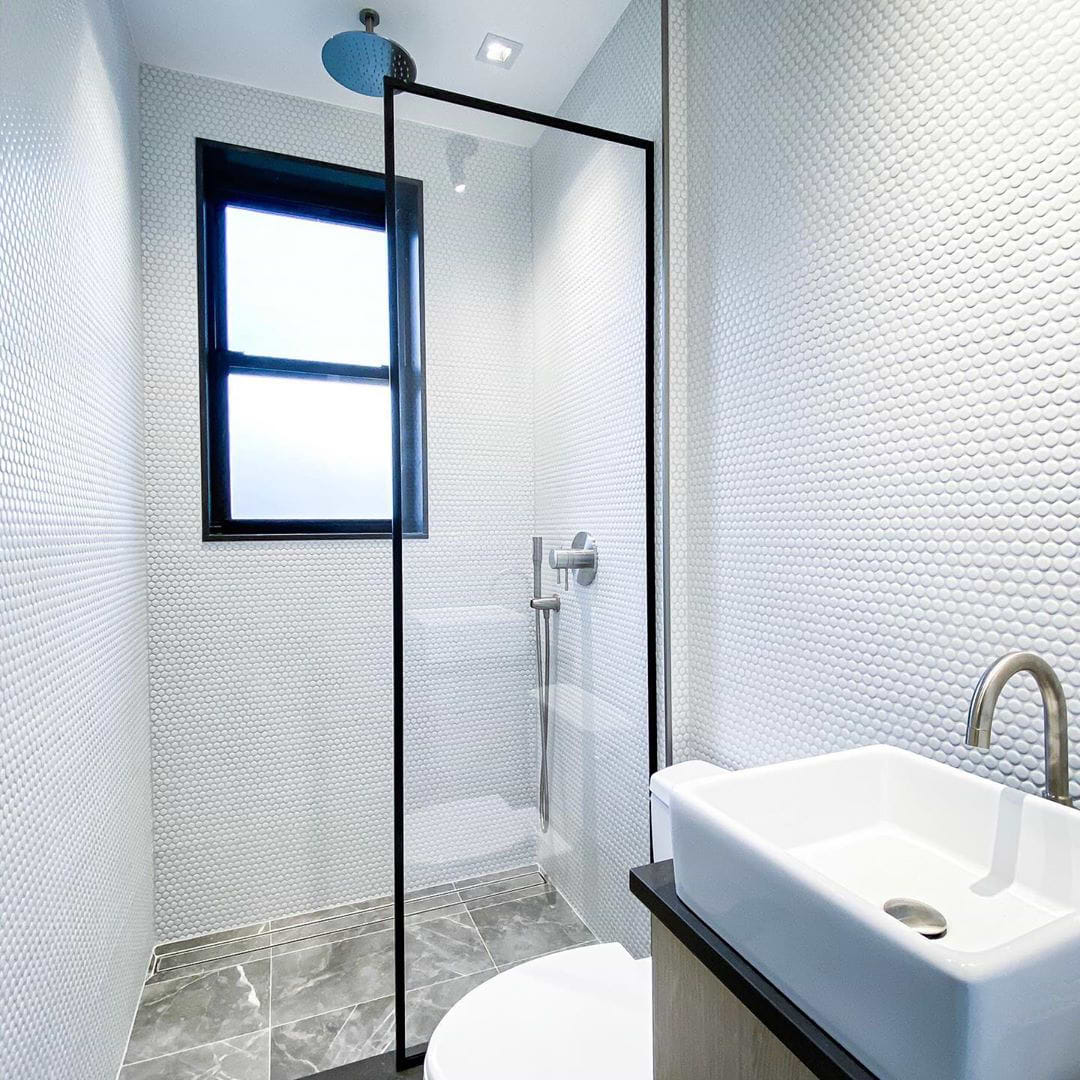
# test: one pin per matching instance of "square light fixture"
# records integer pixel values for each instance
(500, 51)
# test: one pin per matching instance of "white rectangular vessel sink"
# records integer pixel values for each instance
(791, 864)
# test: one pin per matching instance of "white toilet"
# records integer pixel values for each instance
(582, 1014)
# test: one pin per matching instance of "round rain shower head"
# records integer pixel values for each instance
(360, 59)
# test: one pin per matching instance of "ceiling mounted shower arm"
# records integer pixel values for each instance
(370, 18)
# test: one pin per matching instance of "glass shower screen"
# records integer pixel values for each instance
(522, 327)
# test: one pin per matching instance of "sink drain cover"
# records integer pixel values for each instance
(922, 918)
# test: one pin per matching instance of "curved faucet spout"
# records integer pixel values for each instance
(1055, 716)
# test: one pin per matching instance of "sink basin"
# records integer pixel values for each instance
(791, 864)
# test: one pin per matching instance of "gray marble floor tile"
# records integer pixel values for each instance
(367, 920)
(351, 1034)
(331, 1039)
(416, 902)
(504, 888)
(182, 1013)
(317, 980)
(327, 930)
(313, 916)
(374, 902)
(444, 902)
(309, 980)
(244, 1058)
(497, 875)
(211, 939)
(441, 949)
(290, 942)
(431, 890)
(386, 902)
(483, 900)
(182, 966)
(426, 1006)
(411, 894)
(533, 926)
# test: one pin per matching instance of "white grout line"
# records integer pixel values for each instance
(482, 941)
(352, 1006)
(198, 1046)
(453, 978)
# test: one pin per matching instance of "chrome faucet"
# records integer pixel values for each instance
(1055, 716)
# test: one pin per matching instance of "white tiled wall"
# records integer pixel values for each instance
(589, 437)
(270, 663)
(75, 837)
(884, 417)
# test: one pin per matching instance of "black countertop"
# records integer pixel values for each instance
(654, 886)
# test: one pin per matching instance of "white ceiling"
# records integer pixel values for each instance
(276, 45)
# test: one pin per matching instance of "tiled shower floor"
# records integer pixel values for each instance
(291, 997)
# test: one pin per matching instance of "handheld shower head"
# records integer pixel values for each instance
(360, 59)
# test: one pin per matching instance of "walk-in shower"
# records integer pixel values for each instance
(524, 708)
(444, 774)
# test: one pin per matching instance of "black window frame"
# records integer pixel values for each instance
(228, 175)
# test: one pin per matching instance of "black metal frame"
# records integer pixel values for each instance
(404, 1056)
(228, 175)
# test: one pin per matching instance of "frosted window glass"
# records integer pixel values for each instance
(308, 449)
(302, 289)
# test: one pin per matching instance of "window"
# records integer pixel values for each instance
(295, 348)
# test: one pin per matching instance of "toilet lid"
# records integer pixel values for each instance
(585, 1013)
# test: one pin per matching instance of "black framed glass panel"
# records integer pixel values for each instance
(524, 734)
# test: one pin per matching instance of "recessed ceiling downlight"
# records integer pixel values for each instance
(500, 51)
